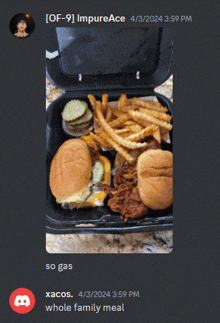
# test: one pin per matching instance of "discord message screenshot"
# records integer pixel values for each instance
(109, 160)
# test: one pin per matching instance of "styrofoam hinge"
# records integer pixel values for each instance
(138, 75)
(53, 55)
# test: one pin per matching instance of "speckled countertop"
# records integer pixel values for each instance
(149, 242)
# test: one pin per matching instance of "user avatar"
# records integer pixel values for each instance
(22, 300)
(22, 25)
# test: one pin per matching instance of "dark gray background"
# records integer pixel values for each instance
(179, 287)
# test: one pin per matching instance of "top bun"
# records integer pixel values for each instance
(70, 169)
(155, 178)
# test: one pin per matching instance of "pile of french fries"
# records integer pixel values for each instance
(127, 126)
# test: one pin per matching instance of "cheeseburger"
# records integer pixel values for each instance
(75, 172)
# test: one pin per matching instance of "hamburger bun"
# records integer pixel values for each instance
(155, 178)
(70, 169)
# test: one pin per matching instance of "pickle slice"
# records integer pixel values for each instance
(80, 127)
(97, 172)
(74, 110)
(84, 119)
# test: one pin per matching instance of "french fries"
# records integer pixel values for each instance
(149, 104)
(157, 135)
(120, 120)
(120, 149)
(157, 114)
(126, 126)
(108, 114)
(134, 128)
(143, 133)
(123, 102)
(104, 102)
(150, 118)
(118, 113)
(110, 131)
(121, 131)
(92, 100)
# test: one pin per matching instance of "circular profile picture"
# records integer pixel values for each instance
(22, 300)
(22, 25)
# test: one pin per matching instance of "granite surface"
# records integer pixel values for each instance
(149, 242)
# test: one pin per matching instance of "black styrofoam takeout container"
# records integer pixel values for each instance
(89, 62)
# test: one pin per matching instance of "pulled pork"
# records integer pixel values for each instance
(124, 198)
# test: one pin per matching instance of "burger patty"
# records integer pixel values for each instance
(94, 155)
(124, 198)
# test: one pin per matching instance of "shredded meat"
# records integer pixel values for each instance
(127, 174)
(124, 198)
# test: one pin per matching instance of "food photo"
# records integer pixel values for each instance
(109, 141)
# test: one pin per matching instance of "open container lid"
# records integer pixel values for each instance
(91, 58)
